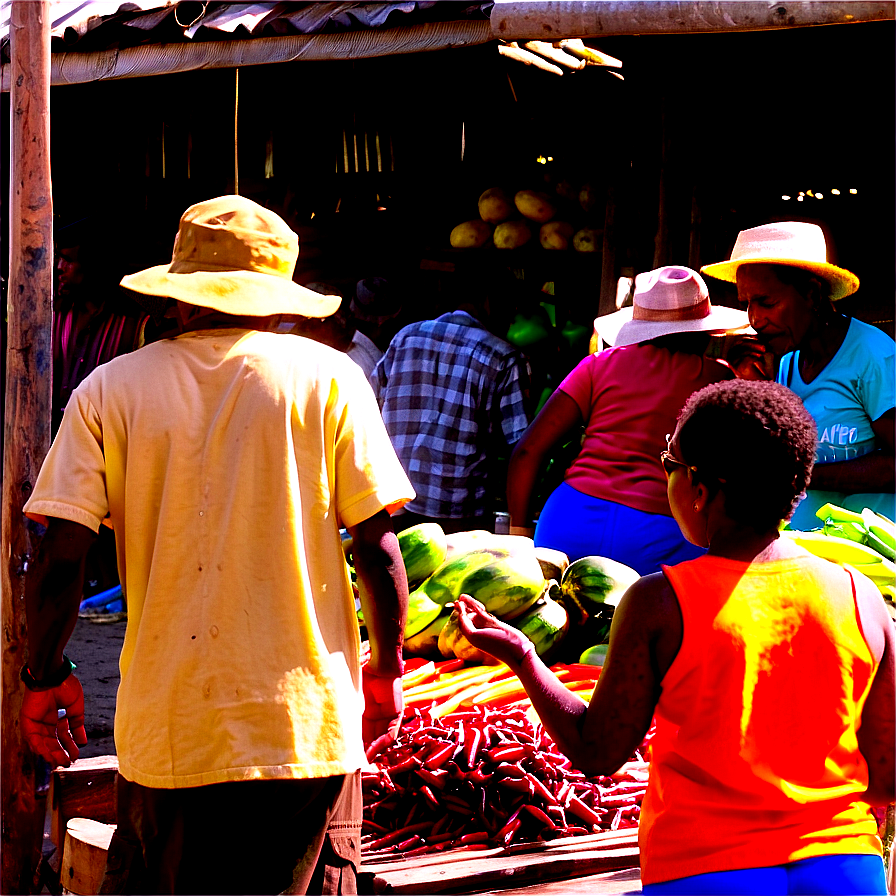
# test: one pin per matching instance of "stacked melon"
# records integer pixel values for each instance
(512, 220)
(534, 589)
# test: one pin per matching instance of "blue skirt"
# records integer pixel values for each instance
(582, 526)
(848, 874)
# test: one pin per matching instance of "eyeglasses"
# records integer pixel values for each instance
(670, 462)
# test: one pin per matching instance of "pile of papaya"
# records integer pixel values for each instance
(555, 219)
(564, 608)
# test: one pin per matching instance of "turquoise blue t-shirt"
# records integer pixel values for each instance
(856, 388)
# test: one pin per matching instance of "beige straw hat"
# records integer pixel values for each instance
(235, 256)
(671, 299)
(796, 244)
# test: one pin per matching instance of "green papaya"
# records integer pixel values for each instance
(507, 583)
(421, 612)
(424, 548)
(544, 624)
(426, 642)
(593, 581)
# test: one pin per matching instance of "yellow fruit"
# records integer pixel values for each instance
(587, 240)
(470, 235)
(495, 206)
(535, 206)
(556, 235)
(512, 234)
(588, 197)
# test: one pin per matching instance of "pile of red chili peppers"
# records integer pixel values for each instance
(483, 778)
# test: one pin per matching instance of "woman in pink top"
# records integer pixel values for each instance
(612, 501)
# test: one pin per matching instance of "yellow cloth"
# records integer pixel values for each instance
(755, 761)
(228, 460)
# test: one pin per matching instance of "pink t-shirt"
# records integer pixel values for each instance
(630, 397)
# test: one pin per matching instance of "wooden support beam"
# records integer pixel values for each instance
(29, 369)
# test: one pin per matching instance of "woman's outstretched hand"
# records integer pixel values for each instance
(482, 630)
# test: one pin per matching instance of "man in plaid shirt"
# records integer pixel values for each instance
(454, 398)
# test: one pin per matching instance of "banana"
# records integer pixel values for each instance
(838, 514)
(849, 530)
(880, 527)
(879, 573)
(838, 550)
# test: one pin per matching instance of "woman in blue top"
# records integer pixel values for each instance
(842, 368)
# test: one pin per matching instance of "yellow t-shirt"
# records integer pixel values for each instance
(227, 461)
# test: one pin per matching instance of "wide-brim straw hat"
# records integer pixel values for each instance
(671, 299)
(234, 256)
(796, 244)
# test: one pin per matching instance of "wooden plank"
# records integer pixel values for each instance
(480, 874)
(84, 855)
(27, 413)
(603, 840)
(625, 882)
(85, 789)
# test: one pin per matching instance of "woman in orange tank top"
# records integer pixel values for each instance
(770, 674)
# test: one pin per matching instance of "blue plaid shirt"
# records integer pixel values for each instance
(453, 397)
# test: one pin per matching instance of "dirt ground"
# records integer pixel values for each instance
(94, 647)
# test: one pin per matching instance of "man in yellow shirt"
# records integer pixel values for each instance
(227, 458)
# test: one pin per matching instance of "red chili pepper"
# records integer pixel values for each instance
(563, 792)
(558, 816)
(423, 735)
(439, 758)
(583, 811)
(478, 776)
(510, 753)
(475, 837)
(617, 802)
(407, 765)
(520, 785)
(455, 803)
(436, 778)
(409, 843)
(627, 787)
(450, 666)
(429, 796)
(399, 835)
(540, 816)
(471, 748)
(510, 770)
(440, 824)
(511, 826)
(617, 819)
(370, 824)
(540, 790)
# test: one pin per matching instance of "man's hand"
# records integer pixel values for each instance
(55, 739)
(383, 710)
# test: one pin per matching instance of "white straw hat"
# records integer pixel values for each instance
(671, 299)
(796, 244)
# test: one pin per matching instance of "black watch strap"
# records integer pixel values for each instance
(51, 681)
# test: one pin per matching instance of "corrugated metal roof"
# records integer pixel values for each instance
(88, 25)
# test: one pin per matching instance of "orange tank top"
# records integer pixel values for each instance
(755, 760)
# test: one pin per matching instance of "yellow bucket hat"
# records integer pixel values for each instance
(235, 256)
(796, 244)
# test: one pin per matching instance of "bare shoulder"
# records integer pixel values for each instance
(876, 622)
(649, 612)
(652, 598)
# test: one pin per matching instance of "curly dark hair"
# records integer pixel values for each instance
(757, 437)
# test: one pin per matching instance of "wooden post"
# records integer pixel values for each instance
(607, 303)
(29, 370)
